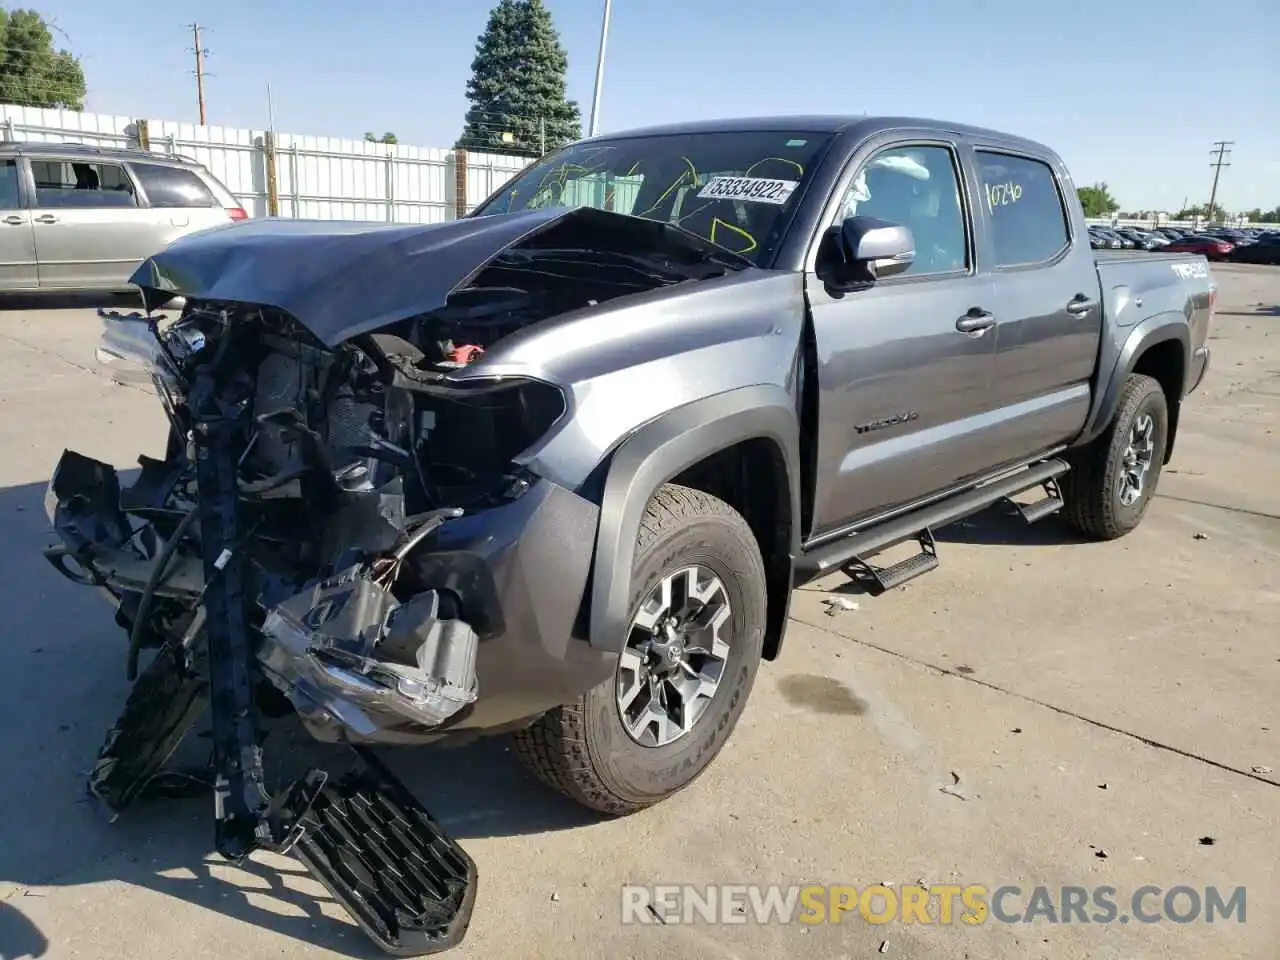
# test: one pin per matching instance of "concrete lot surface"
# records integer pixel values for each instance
(1100, 714)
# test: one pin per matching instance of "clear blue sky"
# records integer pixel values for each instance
(1133, 92)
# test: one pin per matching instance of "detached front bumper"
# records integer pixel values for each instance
(359, 664)
(516, 573)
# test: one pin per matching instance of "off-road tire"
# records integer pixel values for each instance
(1090, 489)
(581, 749)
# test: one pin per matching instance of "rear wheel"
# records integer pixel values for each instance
(1111, 482)
(691, 653)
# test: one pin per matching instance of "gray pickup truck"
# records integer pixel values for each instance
(554, 469)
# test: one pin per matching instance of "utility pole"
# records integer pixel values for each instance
(200, 52)
(595, 100)
(1221, 148)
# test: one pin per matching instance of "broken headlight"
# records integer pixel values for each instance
(471, 432)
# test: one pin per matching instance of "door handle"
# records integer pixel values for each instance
(15, 221)
(1079, 305)
(46, 218)
(976, 322)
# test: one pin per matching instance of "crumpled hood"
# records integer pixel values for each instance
(339, 278)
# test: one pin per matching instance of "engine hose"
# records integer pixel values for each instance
(149, 591)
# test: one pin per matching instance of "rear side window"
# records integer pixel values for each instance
(1024, 204)
(81, 183)
(9, 185)
(172, 186)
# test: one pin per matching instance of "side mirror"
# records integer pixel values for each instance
(861, 250)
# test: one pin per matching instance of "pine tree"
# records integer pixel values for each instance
(517, 87)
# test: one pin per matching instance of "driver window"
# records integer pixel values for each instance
(917, 187)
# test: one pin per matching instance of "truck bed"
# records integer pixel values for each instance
(1140, 256)
(1137, 285)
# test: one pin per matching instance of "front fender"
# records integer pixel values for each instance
(1118, 362)
(660, 450)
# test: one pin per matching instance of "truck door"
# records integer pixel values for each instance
(17, 245)
(903, 365)
(1048, 308)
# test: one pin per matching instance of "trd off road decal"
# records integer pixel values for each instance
(755, 189)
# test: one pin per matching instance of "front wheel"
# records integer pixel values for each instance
(698, 602)
(1111, 481)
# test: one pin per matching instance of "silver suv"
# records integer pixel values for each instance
(75, 217)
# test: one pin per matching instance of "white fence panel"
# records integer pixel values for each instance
(326, 178)
(66, 126)
(486, 172)
(315, 177)
(422, 184)
(323, 178)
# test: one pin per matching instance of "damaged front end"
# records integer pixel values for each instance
(340, 526)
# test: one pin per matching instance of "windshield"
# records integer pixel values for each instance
(737, 189)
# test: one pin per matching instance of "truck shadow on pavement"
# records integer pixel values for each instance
(62, 683)
(19, 937)
(1002, 524)
(1258, 310)
(69, 301)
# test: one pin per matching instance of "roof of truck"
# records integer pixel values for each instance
(857, 126)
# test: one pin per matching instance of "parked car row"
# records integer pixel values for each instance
(1234, 244)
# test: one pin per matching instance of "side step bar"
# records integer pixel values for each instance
(886, 578)
(917, 524)
(1052, 503)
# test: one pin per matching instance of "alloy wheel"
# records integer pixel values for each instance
(675, 656)
(1137, 458)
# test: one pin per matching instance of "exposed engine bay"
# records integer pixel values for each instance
(282, 557)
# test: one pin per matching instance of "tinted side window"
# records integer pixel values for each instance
(1024, 202)
(919, 188)
(9, 185)
(172, 186)
(81, 183)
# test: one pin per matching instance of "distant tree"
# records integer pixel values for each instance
(1202, 212)
(32, 72)
(517, 88)
(385, 138)
(1258, 215)
(1097, 200)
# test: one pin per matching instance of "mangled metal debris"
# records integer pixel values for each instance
(341, 519)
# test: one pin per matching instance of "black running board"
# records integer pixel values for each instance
(1050, 504)
(886, 578)
(834, 555)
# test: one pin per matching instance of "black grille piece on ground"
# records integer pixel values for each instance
(381, 854)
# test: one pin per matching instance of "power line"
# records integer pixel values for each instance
(200, 55)
(1222, 149)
